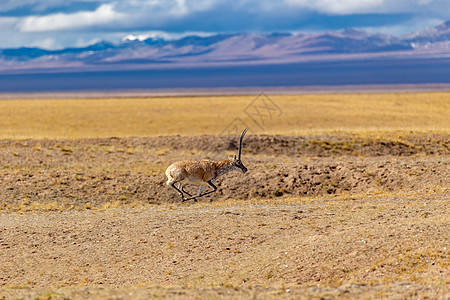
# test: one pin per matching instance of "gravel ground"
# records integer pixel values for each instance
(93, 219)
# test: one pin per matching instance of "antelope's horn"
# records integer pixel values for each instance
(240, 142)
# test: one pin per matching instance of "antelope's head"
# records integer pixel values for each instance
(237, 163)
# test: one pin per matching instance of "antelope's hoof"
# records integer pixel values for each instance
(190, 198)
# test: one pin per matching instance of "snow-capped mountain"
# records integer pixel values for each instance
(140, 50)
(439, 33)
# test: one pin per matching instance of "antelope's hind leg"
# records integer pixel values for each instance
(179, 191)
(184, 191)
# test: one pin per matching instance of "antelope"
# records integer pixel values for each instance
(202, 172)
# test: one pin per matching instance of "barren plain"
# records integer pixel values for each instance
(347, 196)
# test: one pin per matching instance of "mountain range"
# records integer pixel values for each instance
(137, 52)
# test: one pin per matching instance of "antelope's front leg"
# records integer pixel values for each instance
(211, 185)
(200, 190)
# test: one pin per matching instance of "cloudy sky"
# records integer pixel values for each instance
(54, 24)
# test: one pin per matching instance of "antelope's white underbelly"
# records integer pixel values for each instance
(194, 180)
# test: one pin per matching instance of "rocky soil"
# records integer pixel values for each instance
(315, 217)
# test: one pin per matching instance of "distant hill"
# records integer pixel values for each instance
(231, 49)
(245, 60)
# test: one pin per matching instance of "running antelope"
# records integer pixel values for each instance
(202, 173)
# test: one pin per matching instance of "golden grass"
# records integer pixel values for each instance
(302, 114)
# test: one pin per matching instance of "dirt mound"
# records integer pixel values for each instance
(313, 146)
(97, 172)
(306, 179)
(335, 177)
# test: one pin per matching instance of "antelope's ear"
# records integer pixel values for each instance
(234, 157)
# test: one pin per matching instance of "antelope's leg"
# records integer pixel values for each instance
(211, 185)
(201, 189)
(199, 193)
(184, 191)
(180, 192)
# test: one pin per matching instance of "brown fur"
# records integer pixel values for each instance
(197, 171)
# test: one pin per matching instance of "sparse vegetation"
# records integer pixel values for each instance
(354, 205)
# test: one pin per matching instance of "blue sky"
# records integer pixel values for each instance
(56, 24)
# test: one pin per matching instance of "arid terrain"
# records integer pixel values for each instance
(357, 213)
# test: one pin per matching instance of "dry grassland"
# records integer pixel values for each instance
(301, 114)
(347, 196)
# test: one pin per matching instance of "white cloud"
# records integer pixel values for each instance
(347, 7)
(111, 20)
(405, 28)
(180, 8)
(40, 5)
(103, 15)
(338, 6)
(47, 43)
